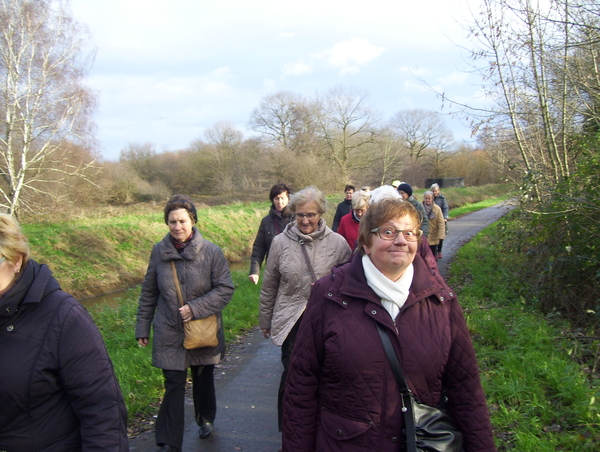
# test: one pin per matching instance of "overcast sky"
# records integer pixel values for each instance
(166, 70)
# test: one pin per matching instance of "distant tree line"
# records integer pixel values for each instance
(328, 141)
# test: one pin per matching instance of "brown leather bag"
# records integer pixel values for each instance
(198, 333)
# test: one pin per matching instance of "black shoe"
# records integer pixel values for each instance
(206, 430)
(167, 448)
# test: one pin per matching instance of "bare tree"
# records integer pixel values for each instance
(44, 55)
(346, 124)
(421, 131)
(287, 119)
(539, 64)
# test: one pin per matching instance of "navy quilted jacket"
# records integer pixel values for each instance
(341, 394)
(58, 391)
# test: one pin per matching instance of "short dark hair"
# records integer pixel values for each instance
(349, 187)
(278, 189)
(176, 202)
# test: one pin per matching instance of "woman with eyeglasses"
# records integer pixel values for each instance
(341, 393)
(58, 390)
(349, 223)
(304, 252)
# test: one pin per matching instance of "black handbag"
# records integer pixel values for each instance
(428, 428)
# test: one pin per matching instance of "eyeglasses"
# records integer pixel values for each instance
(388, 233)
(310, 216)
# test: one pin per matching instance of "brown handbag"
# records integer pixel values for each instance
(198, 333)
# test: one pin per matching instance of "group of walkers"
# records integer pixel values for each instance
(323, 301)
(326, 299)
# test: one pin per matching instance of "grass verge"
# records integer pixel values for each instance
(541, 396)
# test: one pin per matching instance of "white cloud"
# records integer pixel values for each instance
(298, 68)
(166, 70)
(416, 71)
(349, 55)
(455, 78)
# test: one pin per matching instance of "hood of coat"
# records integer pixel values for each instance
(168, 251)
(35, 283)
(291, 230)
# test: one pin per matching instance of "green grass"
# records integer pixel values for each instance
(540, 396)
(473, 207)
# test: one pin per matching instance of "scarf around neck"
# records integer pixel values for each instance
(429, 211)
(393, 293)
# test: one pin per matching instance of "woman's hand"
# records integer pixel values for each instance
(266, 332)
(142, 341)
(253, 278)
(186, 313)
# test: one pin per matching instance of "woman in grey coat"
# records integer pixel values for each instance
(206, 287)
(304, 252)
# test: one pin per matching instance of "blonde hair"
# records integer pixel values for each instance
(13, 243)
(360, 199)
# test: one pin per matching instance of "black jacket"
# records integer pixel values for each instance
(270, 226)
(343, 208)
(58, 391)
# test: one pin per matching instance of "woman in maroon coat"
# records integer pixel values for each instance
(341, 394)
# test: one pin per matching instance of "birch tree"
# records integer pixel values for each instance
(45, 106)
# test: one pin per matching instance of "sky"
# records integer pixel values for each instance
(167, 70)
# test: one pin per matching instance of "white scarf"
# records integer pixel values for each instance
(393, 293)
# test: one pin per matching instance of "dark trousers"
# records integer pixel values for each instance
(286, 354)
(434, 250)
(439, 247)
(171, 419)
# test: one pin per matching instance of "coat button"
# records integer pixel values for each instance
(330, 294)
(394, 439)
(373, 312)
(338, 432)
(345, 303)
(10, 328)
(451, 294)
(441, 298)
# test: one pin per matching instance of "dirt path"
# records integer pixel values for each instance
(248, 378)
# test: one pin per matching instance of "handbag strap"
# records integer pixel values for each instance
(176, 282)
(310, 267)
(407, 407)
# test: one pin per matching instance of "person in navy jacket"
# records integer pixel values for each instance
(58, 390)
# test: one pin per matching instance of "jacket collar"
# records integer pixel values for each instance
(34, 284)
(426, 283)
(169, 252)
(292, 231)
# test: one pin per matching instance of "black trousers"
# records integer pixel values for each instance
(170, 423)
(434, 250)
(286, 354)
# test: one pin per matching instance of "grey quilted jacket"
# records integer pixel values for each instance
(341, 394)
(206, 287)
(287, 282)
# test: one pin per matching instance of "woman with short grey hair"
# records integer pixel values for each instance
(304, 252)
(441, 201)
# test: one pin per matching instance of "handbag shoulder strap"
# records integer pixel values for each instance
(310, 267)
(176, 282)
(407, 407)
